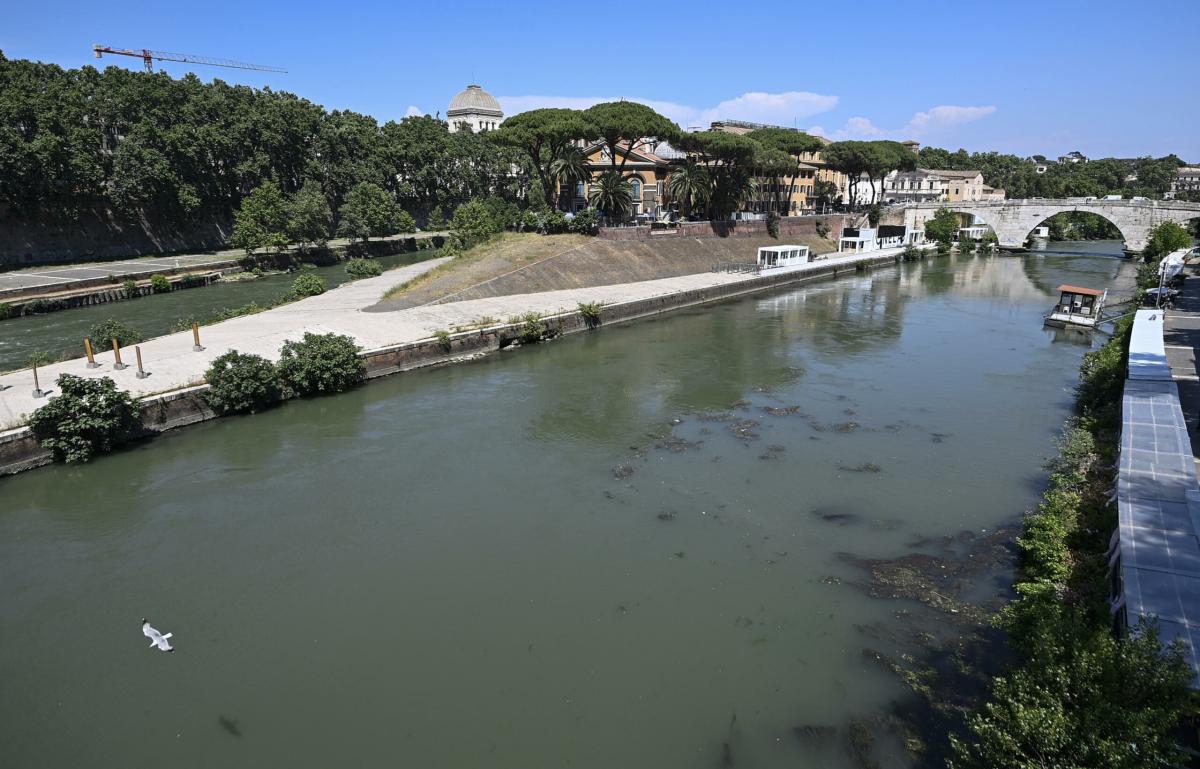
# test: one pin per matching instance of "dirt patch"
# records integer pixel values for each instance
(525, 263)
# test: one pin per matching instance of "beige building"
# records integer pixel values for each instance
(801, 192)
(646, 173)
(930, 185)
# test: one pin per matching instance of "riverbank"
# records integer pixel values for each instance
(391, 341)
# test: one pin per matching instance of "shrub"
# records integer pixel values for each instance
(586, 222)
(363, 268)
(436, 219)
(773, 224)
(105, 331)
(41, 306)
(911, 254)
(943, 247)
(308, 284)
(87, 417)
(405, 222)
(473, 223)
(159, 284)
(591, 313)
(130, 287)
(443, 337)
(6, 311)
(321, 363)
(505, 214)
(242, 382)
(553, 222)
(530, 327)
(822, 228)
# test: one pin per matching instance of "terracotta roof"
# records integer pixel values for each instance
(1064, 288)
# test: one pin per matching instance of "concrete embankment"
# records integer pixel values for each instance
(392, 342)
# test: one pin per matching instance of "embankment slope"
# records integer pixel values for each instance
(528, 263)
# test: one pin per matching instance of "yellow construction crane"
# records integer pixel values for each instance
(147, 56)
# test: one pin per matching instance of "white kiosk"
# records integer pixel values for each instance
(782, 256)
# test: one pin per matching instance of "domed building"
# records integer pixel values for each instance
(474, 110)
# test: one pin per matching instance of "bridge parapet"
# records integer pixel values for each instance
(1014, 220)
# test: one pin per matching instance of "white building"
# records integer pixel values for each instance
(474, 110)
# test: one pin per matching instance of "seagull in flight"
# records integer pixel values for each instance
(157, 638)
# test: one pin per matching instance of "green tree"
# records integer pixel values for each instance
(473, 223)
(369, 211)
(568, 168)
(1164, 238)
(611, 194)
(103, 332)
(87, 417)
(943, 227)
(308, 216)
(690, 184)
(262, 219)
(852, 159)
(545, 136)
(625, 127)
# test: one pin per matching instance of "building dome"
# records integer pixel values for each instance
(475, 101)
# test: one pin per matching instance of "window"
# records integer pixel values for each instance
(579, 190)
(635, 186)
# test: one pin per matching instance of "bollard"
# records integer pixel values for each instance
(141, 373)
(196, 347)
(117, 354)
(37, 388)
(87, 346)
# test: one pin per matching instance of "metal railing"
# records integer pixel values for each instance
(738, 267)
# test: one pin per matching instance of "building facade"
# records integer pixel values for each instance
(474, 110)
(1187, 183)
(930, 185)
(645, 171)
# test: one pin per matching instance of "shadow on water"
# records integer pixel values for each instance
(230, 725)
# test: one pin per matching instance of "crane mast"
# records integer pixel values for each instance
(148, 57)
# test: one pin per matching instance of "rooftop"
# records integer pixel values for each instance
(474, 100)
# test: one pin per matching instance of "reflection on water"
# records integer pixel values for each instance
(652, 545)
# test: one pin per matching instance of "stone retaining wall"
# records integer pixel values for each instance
(788, 226)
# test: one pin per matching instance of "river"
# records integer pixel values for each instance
(62, 332)
(633, 547)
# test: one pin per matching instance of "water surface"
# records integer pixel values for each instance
(618, 549)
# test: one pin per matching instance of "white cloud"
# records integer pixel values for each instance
(933, 121)
(755, 106)
(413, 111)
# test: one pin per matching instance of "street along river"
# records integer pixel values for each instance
(647, 546)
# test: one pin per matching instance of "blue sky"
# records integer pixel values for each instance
(1103, 77)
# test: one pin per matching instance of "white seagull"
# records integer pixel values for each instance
(156, 638)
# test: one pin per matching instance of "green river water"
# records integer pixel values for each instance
(630, 548)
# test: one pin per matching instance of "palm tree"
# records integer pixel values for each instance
(569, 168)
(691, 185)
(732, 189)
(611, 194)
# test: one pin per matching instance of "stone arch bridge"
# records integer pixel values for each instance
(1014, 220)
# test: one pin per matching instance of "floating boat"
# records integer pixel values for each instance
(770, 257)
(1077, 306)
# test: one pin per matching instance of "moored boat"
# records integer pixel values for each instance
(1077, 306)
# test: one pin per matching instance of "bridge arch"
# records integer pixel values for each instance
(1014, 220)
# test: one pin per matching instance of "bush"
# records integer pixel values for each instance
(6, 311)
(586, 222)
(159, 284)
(105, 331)
(307, 284)
(87, 417)
(42, 306)
(530, 327)
(590, 311)
(436, 219)
(553, 222)
(443, 338)
(242, 382)
(321, 363)
(943, 247)
(505, 214)
(911, 254)
(473, 223)
(130, 287)
(405, 222)
(363, 268)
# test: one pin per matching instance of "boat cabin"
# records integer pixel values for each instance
(1077, 306)
(782, 256)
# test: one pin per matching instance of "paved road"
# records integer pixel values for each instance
(60, 277)
(1181, 337)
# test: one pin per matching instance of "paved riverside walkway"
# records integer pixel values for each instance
(173, 365)
(1181, 338)
(63, 277)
